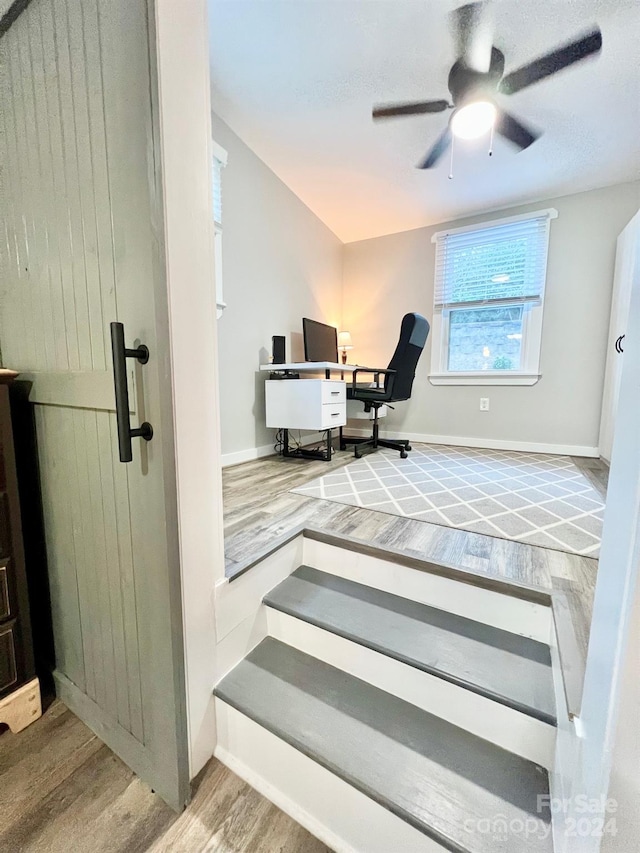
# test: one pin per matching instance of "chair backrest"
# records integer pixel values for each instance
(413, 336)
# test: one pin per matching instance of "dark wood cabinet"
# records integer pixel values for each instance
(17, 670)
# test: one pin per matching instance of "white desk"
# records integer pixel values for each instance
(312, 404)
(310, 367)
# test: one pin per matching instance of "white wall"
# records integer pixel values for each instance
(387, 276)
(609, 754)
(280, 263)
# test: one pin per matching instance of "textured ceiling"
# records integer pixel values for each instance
(296, 79)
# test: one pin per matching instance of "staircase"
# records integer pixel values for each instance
(384, 723)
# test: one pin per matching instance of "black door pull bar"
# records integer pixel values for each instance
(120, 355)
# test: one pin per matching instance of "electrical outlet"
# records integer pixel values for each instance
(484, 404)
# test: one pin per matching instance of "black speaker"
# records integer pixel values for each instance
(278, 349)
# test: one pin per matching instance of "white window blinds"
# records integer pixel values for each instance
(504, 263)
(217, 193)
(219, 162)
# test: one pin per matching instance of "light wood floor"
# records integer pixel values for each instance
(63, 791)
(260, 509)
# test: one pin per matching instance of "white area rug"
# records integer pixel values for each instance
(527, 497)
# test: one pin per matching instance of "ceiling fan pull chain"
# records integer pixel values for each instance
(451, 163)
(491, 142)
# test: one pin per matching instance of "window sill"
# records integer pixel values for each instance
(484, 378)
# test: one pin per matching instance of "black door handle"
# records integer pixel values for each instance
(120, 355)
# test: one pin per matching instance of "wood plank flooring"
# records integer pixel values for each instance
(259, 509)
(63, 790)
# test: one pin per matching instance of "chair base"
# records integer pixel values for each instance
(370, 445)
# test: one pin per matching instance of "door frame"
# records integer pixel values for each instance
(179, 30)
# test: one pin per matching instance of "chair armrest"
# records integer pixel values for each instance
(376, 374)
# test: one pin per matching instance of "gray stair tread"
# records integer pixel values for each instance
(446, 782)
(513, 670)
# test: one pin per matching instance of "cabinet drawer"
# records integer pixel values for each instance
(333, 415)
(8, 673)
(5, 609)
(334, 392)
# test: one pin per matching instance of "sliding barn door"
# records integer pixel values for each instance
(81, 244)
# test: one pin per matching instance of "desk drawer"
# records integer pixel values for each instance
(333, 392)
(333, 415)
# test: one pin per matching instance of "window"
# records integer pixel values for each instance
(219, 162)
(488, 301)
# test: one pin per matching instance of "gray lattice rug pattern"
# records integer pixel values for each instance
(534, 498)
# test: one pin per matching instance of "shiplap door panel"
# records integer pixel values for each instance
(81, 246)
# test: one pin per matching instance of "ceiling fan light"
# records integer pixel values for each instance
(473, 120)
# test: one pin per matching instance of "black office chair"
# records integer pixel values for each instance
(398, 381)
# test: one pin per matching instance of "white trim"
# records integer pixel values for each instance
(182, 55)
(485, 378)
(493, 607)
(251, 453)
(248, 455)
(550, 213)
(487, 443)
(219, 152)
(532, 317)
(241, 600)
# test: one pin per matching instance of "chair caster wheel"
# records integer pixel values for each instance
(357, 454)
(408, 447)
(403, 454)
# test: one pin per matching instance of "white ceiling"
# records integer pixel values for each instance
(296, 79)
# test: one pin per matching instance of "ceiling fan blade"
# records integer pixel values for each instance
(513, 130)
(412, 109)
(438, 149)
(473, 34)
(553, 62)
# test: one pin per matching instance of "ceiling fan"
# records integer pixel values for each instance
(478, 75)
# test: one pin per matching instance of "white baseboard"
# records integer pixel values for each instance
(240, 456)
(248, 455)
(486, 443)
(251, 453)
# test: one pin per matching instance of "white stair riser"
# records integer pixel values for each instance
(240, 600)
(331, 809)
(510, 613)
(490, 720)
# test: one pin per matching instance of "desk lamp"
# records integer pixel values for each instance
(344, 343)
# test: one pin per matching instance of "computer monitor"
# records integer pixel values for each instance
(320, 341)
